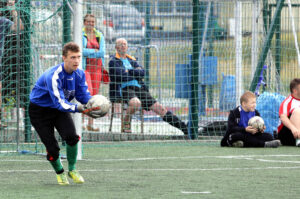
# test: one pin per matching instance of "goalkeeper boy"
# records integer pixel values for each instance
(50, 108)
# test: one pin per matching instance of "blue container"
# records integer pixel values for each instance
(207, 76)
(208, 71)
(182, 84)
(227, 94)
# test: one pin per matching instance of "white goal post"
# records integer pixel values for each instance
(77, 25)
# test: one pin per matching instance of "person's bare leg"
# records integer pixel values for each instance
(159, 109)
(134, 104)
(90, 122)
(82, 121)
(295, 117)
(90, 125)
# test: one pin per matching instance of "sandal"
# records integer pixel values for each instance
(126, 127)
(90, 128)
(3, 126)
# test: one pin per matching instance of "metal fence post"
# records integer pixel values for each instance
(193, 130)
(266, 45)
(147, 42)
(27, 53)
(66, 22)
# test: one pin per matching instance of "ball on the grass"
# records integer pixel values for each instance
(102, 102)
(256, 122)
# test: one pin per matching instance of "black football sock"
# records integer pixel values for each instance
(175, 121)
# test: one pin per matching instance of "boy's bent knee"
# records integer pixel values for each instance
(71, 141)
(135, 103)
(52, 153)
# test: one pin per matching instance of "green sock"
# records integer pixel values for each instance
(72, 156)
(57, 166)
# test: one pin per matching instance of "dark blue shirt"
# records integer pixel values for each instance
(245, 116)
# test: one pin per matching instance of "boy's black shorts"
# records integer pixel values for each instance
(144, 96)
(286, 137)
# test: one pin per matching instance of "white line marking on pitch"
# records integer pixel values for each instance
(249, 157)
(280, 161)
(190, 157)
(9, 160)
(127, 170)
(195, 192)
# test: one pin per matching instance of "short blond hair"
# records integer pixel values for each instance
(246, 96)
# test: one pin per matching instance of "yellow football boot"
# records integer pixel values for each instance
(77, 178)
(62, 179)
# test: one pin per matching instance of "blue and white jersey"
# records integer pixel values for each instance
(56, 88)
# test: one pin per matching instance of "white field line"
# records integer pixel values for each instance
(195, 192)
(279, 161)
(191, 157)
(246, 157)
(145, 169)
(10, 160)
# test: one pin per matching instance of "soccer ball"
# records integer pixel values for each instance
(102, 102)
(256, 122)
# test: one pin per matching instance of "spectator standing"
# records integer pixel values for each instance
(93, 59)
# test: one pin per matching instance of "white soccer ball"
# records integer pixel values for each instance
(102, 102)
(256, 122)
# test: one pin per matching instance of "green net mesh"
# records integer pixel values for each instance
(199, 57)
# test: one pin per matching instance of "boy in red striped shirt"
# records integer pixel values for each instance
(289, 114)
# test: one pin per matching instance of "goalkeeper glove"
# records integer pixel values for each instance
(95, 114)
(83, 109)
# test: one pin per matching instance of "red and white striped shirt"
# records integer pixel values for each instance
(287, 107)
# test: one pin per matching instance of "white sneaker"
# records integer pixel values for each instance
(298, 142)
(273, 144)
(238, 144)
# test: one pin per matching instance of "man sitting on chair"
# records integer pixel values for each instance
(127, 84)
